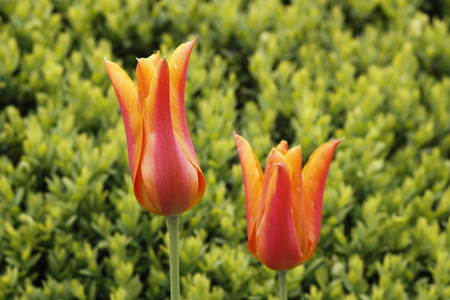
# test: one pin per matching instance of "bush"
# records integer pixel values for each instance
(376, 72)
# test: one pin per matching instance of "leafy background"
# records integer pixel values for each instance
(376, 72)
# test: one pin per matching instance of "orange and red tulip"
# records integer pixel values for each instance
(284, 205)
(164, 168)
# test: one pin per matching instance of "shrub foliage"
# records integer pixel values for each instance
(375, 72)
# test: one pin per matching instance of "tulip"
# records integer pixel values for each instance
(166, 175)
(164, 168)
(284, 205)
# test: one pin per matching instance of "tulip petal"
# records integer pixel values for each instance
(283, 147)
(142, 196)
(294, 157)
(276, 240)
(178, 66)
(171, 180)
(273, 159)
(144, 74)
(253, 181)
(314, 179)
(127, 95)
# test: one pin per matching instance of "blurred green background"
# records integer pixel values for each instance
(374, 71)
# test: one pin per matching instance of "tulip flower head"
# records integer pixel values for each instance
(166, 175)
(284, 205)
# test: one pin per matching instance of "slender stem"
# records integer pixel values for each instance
(282, 284)
(172, 223)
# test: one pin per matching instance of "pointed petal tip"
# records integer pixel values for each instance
(283, 147)
(189, 44)
(107, 62)
(162, 64)
(142, 59)
(337, 142)
(238, 138)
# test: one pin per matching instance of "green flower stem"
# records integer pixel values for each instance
(172, 223)
(282, 284)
